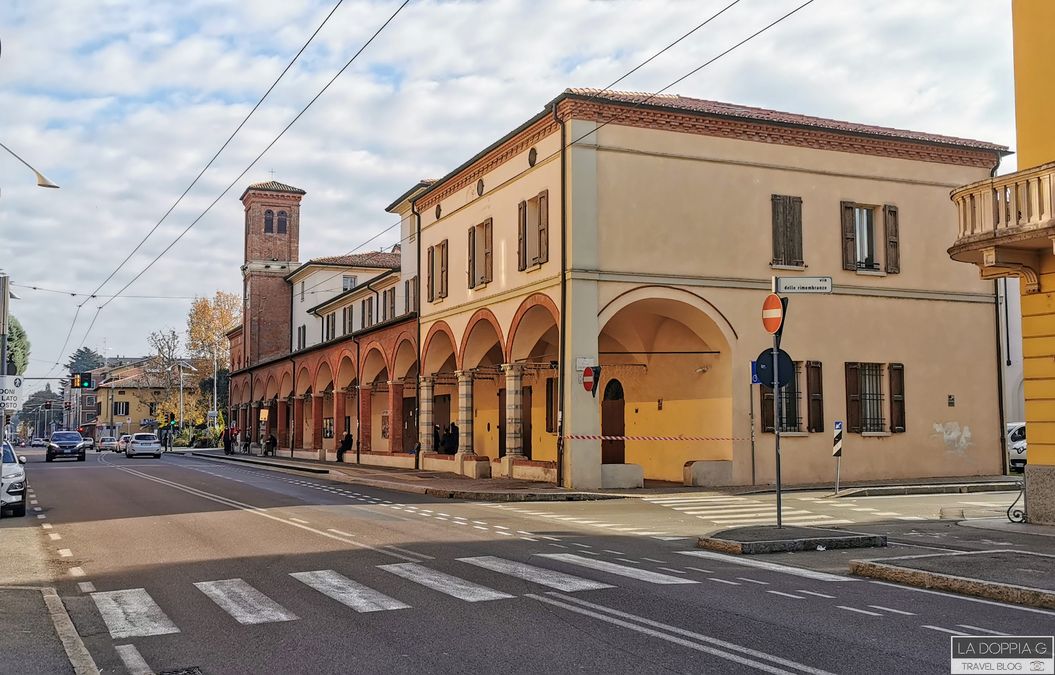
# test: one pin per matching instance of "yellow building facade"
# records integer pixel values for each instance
(1007, 228)
(640, 234)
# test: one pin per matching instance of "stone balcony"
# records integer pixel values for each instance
(1005, 223)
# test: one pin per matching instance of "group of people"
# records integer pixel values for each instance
(233, 437)
(445, 442)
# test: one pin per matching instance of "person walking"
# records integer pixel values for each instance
(346, 445)
(271, 446)
(454, 438)
(226, 441)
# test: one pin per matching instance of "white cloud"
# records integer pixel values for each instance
(122, 102)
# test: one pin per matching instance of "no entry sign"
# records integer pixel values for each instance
(587, 378)
(772, 313)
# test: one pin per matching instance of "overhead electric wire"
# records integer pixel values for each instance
(634, 105)
(246, 170)
(194, 182)
(75, 294)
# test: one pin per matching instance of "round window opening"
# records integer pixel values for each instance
(480, 187)
(438, 211)
(532, 156)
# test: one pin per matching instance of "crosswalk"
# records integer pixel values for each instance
(132, 613)
(734, 511)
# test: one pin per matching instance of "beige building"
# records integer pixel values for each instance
(640, 234)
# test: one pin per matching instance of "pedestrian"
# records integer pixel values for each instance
(346, 445)
(226, 441)
(454, 438)
(272, 445)
(437, 440)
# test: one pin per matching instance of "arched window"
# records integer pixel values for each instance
(269, 221)
(282, 218)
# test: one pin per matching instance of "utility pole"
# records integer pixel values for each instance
(5, 297)
(215, 412)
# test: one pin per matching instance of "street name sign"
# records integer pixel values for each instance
(802, 284)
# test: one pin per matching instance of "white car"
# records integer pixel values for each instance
(122, 443)
(143, 444)
(107, 443)
(1016, 445)
(12, 481)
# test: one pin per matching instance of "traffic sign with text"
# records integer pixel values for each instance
(802, 284)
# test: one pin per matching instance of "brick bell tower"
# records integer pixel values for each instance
(272, 246)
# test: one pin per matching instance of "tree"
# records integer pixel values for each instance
(37, 415)
(223, 382)
(83, 360)
(207, 324)
(17, 345)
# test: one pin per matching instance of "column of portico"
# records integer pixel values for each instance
(282, 422)
(254, 421)
(425, 414)
(366, 394)
(465, 412)
(298, 422)
(339, 402)
(395, 416)
(317, 402)
(243, 418)
(514, 421)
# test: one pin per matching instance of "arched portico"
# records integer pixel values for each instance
(481, 391)
(532, 352)
(373, 390)
(437, 387)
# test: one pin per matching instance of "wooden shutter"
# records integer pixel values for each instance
(766, 408)
(392, 302)
(543, 227)
(849, 237)
(488, 257)
(522, 236)
(897, 397)
(815, 394)
(551, 405)
(893, 248)
(779, 241)
(793, 220)
(853, 398)
(443, 269)
(472, 257)
(431, 279)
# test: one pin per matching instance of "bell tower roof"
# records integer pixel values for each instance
(272, 186)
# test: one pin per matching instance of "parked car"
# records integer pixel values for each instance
(143, 444)
(65, 444)
(12, 481)
(1016, 446)
(122, 443)
(38, 443)
(107, 443)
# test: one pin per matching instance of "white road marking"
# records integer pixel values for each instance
(892, 610)
(86, 587)
(46, 526)
(724, 581)
(699, 569)
(343, 534)
(864, 508)
(753, 581)
(946, 630)
(671, 569)
(133, 660)
(444, 583)
(967, 599)
(132, 613)
(982, 630)
(669, 538)
(347, 592)
(298, 520)
(37, 508)
(54, 536)
(989, 504)
(507, 534)
(787, 595)
(537, 575)
(772, 567)
(819, 595)
(65, 553)
(244, 603)
(76, 572)
(910, 518)
(608, 550)
(887, 513)
(41, 516)
(859, 611)
(33, 501)
(479, 527)
(612, 568)
(673, 631)
(653, 560)
(628, 560)
(580, 545)
(409, 552)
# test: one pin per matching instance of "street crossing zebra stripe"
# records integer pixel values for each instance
(537, 575)
(132, 613)
(243, 602)
(444, 583)
(613, 568)
(347, 592)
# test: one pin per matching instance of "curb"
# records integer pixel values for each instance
(77, 653)
(790, 545)
(980, 588)
(445, 493)
(950, 488)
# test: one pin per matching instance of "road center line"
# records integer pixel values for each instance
(133, 660)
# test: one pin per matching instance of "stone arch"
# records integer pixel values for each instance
(536, 319)
(285, 386)
(258, 388)
(375, 365)
(346, 372)
(323, 378)
(271, 388)
(440, 349)
(482, 341)
(304, 381)
(404, 357)
(679, 294)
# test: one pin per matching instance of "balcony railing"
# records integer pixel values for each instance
(1005, 221)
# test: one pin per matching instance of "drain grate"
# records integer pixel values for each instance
(193, 670)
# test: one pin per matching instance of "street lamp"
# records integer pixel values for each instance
(42, 181)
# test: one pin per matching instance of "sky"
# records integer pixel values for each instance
(123, 102)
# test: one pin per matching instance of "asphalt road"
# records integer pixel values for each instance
(182, 563)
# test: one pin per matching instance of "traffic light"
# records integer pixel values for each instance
(80, 430)
(81, 381)
(47, 405)
(67, 405)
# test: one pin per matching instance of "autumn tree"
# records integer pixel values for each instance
(208, 321)
(161, 374)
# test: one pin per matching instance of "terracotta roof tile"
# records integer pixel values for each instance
(718, 108)
(381, 259)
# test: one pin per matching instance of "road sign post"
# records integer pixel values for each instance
(837, 451)
(773, 310)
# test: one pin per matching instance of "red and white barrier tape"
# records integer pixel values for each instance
(592, 437)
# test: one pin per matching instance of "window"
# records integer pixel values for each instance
(480, 267)
(347, 282)
(437, 271)
(302, 291)
(406, 296)
(329, 326)
(864, 398)
(860, 242)
(121, 408)
(533, 231)
(283, 220)
(152, 409)
(897, 398)
(787, 231)
(327, 427)
(367, 312)
(814, 397)
(302, 337)
(551, 405)
(392, 303)
(346, 320)
(790, 404)
(269, 221)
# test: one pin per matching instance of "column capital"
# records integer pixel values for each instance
(366, 387)
(464, 374)
(398, 382)
(319, 394)
(426, 379)
(513, 368)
